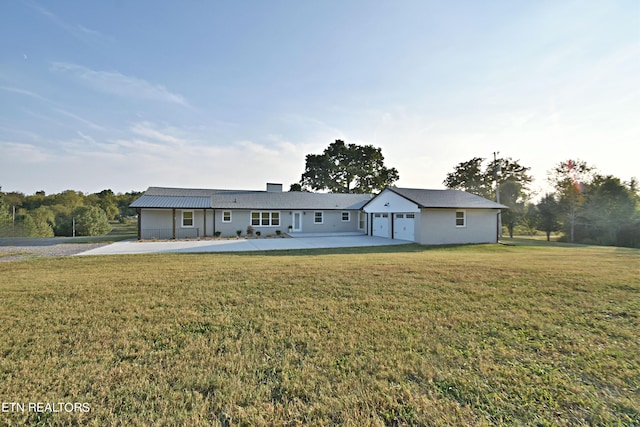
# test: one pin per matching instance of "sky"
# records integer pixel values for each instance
(217, 94)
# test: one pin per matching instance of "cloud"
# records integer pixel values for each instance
(80, 32)
(80, 119)
(26, 93)
(149, 130)
(115, 83)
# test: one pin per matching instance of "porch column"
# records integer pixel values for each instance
(205, 222)
(139, 212)
(174, 223)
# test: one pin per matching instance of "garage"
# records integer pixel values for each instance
(404, 226)
(381, 225)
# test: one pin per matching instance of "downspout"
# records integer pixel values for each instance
(214, 223)
(205, 222)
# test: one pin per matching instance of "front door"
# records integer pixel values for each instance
(297, 221)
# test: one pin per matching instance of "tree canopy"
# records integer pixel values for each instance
(470, 176)
(347, 168)
(42, 215)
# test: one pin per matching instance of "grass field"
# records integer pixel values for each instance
(475, 335)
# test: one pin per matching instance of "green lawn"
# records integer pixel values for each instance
(476, 335)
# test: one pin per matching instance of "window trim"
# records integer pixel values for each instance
(193, 219)
(315, 217)
(464, 218)
(230, 217)
(348, 216)
(362, 220)
(271, 217)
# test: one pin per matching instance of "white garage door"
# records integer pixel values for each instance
(381, 226)
(404, 227)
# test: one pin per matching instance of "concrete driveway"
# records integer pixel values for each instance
(243, 245)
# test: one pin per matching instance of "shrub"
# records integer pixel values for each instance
(278, 232)
(238, 233)
(217, 234)
(249, 231)
(258, 233)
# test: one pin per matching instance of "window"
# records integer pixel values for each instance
(399, 216)
(346, 216)
(361, 220)
(265, 219)
(187, 218)
(226, 216)
(411, 215)
(461, 219)
(318, 218)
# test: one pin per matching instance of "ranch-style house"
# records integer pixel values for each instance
(429, 217)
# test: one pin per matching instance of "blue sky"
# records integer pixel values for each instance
(211, 94)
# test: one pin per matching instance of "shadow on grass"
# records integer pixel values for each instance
(359, 250)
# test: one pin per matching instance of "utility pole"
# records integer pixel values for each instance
(496, 169)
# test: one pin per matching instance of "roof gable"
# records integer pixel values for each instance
(452, 199)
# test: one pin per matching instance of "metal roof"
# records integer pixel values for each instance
(290, 200)
(191, 198)
(445, 199)
(178, 202)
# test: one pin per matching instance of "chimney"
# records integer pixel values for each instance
(274, 188)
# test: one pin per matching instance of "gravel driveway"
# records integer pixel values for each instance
(16, 249)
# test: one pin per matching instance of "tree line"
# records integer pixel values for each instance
(63, 214)
(586, 206)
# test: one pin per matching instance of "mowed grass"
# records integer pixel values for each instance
(475, 335)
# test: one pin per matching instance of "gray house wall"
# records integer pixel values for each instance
(158, 223)
(438, 227)
(332, 222)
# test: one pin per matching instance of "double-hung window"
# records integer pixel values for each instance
(187, 218)
(346, 216)
(461, 219)
(265, 219)
(226, 216)
(318, 217)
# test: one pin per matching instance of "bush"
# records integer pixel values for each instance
(239, 233)
(249, 231)
(91, 221)
(217, 234)
(278, 232)
(258, 233)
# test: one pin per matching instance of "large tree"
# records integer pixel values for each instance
(548, 214)
(469, 176)
(472, 177)
(347, 168)
(570, 179)
(609, 206)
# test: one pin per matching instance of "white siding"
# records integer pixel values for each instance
(389, 202)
